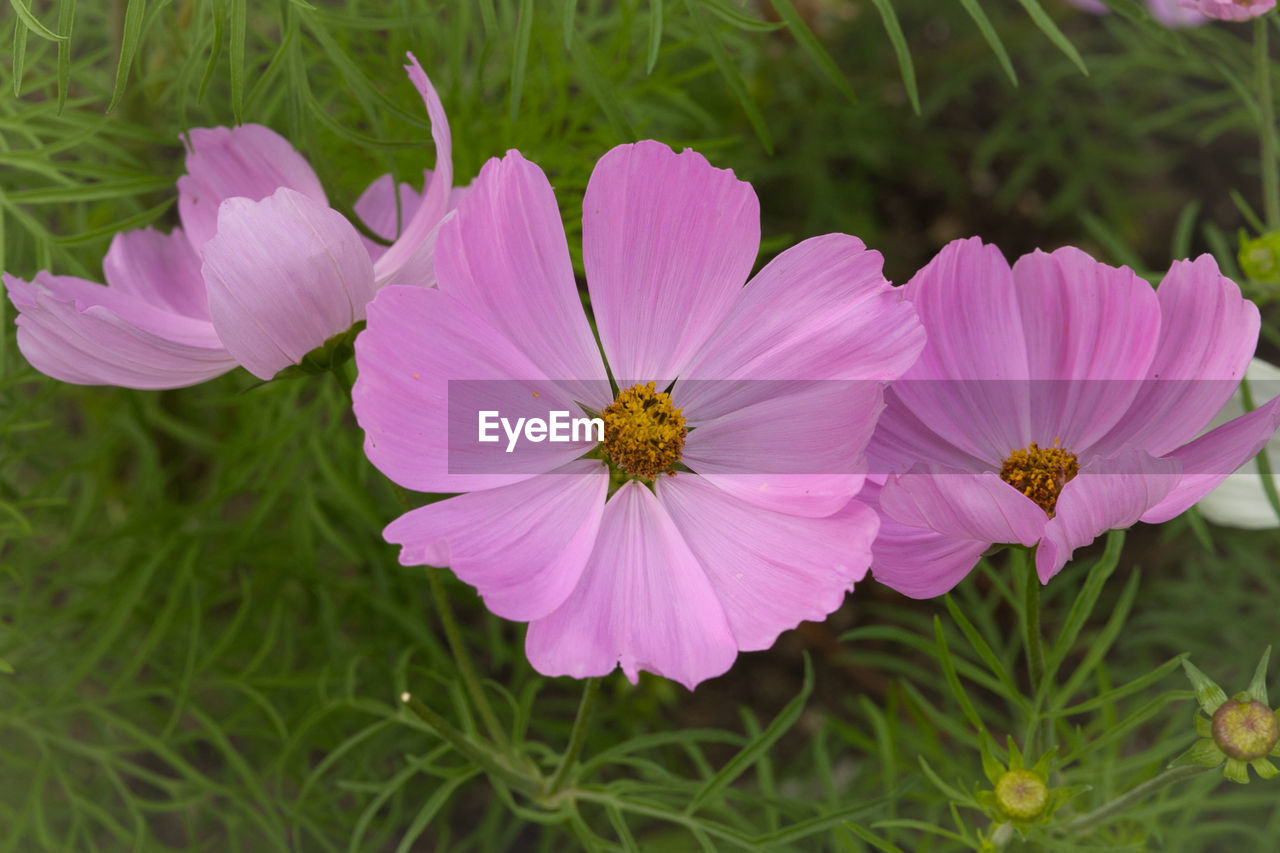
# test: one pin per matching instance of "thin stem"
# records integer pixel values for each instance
(463, 661)
(344, 381)
(578, 736)
(479, 754)
(1267, 129)
(1031, 626)
(1090, 820)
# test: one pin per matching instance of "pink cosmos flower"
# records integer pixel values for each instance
(1053, 402)
(261, 272)
(711, 518)
(1171, 13)
(1230, 10)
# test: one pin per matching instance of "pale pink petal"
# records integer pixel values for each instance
(407, 261)
(1107, 494)
(820, 310)
(770, 570)
(794, 447)
(283, 275)
(82, 332)
(504, 254)
(965, 506)
(667, 241)
(643, 602)
(916, 561)
(902, 441)
(521, 546)
(418, 345)
(159, 269)
(249, 161)
(1209, 459)
(1208, 334)
(376, 208)
(968, 384)
(1091, 332)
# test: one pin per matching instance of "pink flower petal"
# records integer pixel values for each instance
(966, 384)
(901, 441)
(504, 254)
(159, 269)
(408, 260)
(376, 208)
(916, 561)
(643, 602)
(81, 332)
(981, 507)
(1085, 321)
(820, 310)
(419, 343)
(770, 570)
(1208, 334)
(667, 241)
(1212, 457)
(793, 447)
(283, 275)
(521, 546)
(249, 161)
(1107, 494)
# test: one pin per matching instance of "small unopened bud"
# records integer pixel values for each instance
(1245, 730)
(1021, 794)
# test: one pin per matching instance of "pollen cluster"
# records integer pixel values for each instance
(643, 433)
(1040, 473)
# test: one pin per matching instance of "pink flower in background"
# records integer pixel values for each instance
(729, 517)
(1053, 402)
(1171, 13)
(261, 272)
(1231, 10)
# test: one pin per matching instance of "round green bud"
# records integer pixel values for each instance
(1021, 794)
(1245, 730)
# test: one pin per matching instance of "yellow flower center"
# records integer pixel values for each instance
(643, 433)
(1245, 730)
(1021, 794)
(1040, 473)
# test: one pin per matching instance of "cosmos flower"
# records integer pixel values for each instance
(1241, 501)
(261, 272)
(1053, 402)
(714, 515)
(1230, 10)
(1171, 13)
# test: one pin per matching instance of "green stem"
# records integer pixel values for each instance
(1267, 129)
(344, 381)
(1091, 820)
(578, 736)
(463, 661)
(1031, 626)
(1262, 459)
(478, 754)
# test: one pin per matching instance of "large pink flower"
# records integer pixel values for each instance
(1054, 401)
(729, 516)
(261, 272)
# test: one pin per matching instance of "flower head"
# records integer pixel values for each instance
(261, 273)
(717, 511)
(1230, 10)
(1054, 401)
(1171, 13)
(1237, 732)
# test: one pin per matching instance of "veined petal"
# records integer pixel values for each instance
(980, 507)
(769, 570)
(408, 259)
(1208, 334)
(917, 561)
(283, 274)
(81, 332)
(1091, 333)
(667, 241)
(376, 208)
(820, 310)
(521, 546)
(159, 269)
(249, 161)
(1209, 459)
(902, 441)
(1107, 494)
(418, 345)
(503, 253)
(643, 603)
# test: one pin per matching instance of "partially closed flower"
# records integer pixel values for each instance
(1054, 401)
(261, 272)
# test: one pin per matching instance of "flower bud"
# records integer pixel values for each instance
(1021, 794)
(1245, 729)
